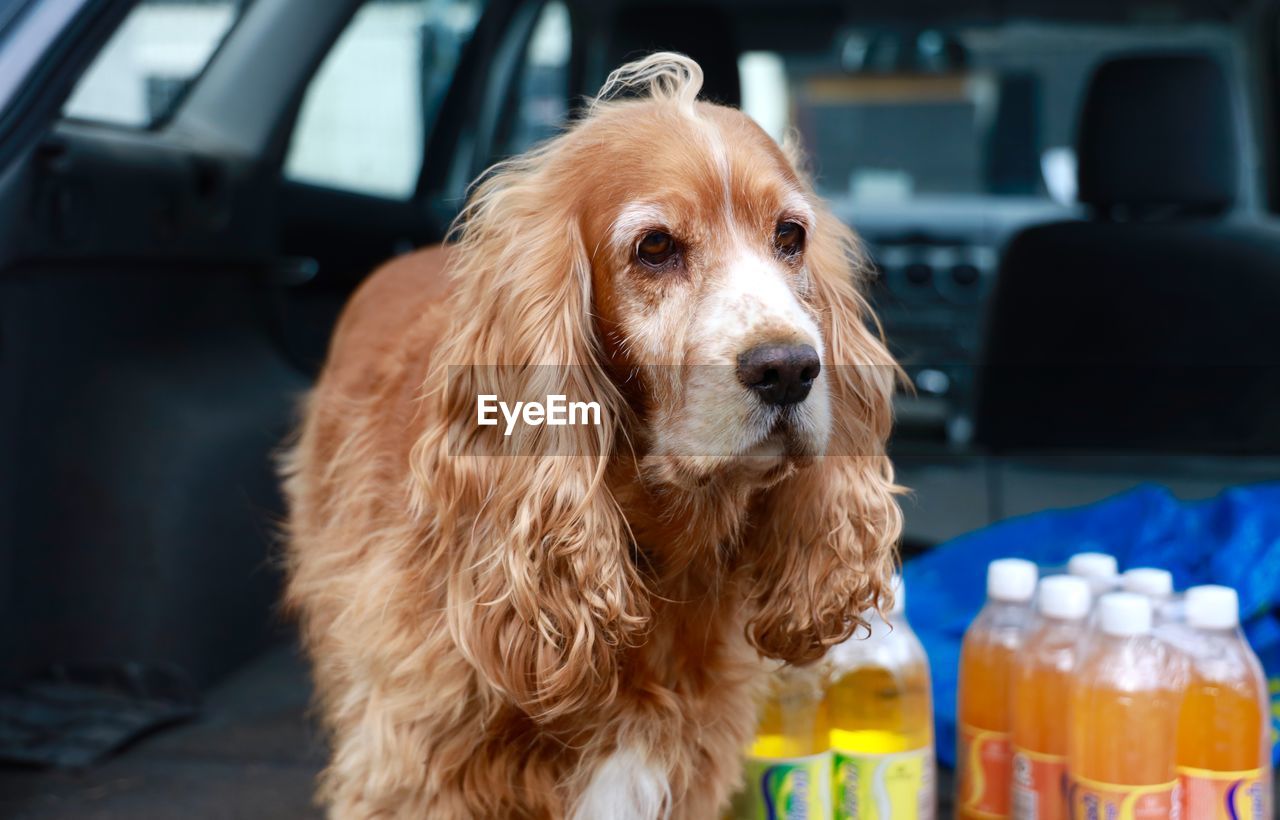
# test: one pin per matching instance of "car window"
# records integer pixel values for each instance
(139, 77)
(367, 113)
(867, 105)
(541, 88)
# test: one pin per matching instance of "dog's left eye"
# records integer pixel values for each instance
(656, 248)
(788, 238)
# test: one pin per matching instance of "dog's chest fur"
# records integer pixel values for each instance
(690, 689)
(689, 693)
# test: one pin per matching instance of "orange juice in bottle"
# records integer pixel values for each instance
(1041, 691)
(787, 771)
(1124, 716)
(984, 754)
(881, 713)
(1223, 754)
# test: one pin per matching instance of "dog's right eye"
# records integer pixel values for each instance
(655, 249)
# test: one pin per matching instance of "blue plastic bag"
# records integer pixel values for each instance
(1233, 539)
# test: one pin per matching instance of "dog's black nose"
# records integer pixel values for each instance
(779, 374)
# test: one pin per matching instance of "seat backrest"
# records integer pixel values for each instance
(1152, 324)
(1157, 139)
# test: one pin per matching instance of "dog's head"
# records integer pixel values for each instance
(699, 234)
(664, 258)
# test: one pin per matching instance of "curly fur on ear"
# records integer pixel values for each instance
(824, 545)
(542, 591)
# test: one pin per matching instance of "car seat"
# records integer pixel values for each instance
(1151, 324)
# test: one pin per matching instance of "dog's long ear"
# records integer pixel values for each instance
(542, 590)
(824, 543)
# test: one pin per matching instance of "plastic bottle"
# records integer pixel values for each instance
(1098, 568)
(881, 714)
(984, 755)
(787, 771)
(1124, 714)
(1157, 585)
(1041, 693)
(1223, 731)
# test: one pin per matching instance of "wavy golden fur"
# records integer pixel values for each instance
(581, 632)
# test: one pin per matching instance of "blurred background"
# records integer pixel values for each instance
(1068, 206)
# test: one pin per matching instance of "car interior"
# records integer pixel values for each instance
(180, 227)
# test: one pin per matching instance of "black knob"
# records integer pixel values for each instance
(965, 274)
(918, 273)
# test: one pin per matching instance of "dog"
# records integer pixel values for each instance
(582, 628)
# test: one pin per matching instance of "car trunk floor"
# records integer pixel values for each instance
(250, 753)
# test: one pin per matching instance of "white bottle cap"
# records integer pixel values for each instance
(1212, 607)
(1011, 579)
(1065, 597)
(1093, 565)
(1124, 613)
(1149, 581)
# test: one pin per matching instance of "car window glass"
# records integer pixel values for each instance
(541, 101)
(366, 114)
(139, 77)
(867, 105)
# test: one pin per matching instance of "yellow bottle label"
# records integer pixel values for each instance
(1092, 800)
(884, 786)
(785, 788)
(1209, 795)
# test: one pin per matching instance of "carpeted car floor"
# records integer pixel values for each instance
(252, 754)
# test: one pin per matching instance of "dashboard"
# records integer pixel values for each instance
(935, 263)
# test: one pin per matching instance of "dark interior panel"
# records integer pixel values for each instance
(145, 503)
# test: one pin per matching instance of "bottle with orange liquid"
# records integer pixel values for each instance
(1124, 718)
(1041, 691)
(984, 755)
(1223, 756)
(1101, 570)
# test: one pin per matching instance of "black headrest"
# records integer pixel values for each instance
(704, 33)
(1157, 132)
